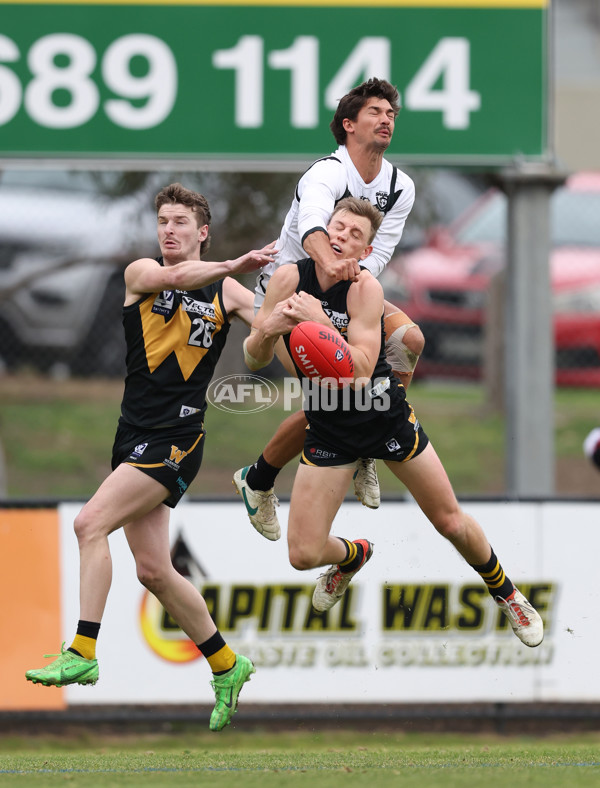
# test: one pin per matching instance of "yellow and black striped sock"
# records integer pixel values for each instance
(84, 642)
(498, 584)
(219, 655)
(354, 555)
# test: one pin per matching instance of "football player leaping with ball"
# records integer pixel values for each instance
(363, 126)
(388, 430)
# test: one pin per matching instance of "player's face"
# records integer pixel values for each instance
(374, 124)
(179, 236)
(349, 235)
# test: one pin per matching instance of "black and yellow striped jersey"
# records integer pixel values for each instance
(174, 340)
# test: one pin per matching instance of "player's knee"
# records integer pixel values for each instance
(86, 527)
(449, 525)
(302, 557)
(150, 575)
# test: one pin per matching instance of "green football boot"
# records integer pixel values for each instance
(227, 688)
(68, 668)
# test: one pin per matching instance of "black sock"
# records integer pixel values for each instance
(355, 553)
(498, 584)
(261, 475)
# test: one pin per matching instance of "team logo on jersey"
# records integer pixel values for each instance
(163, 303)
(381, 200)
(198, 307)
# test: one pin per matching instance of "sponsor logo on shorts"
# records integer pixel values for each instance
(326, 455)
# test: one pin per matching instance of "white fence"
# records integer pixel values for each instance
(417, 625)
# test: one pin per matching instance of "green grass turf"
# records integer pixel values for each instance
(320, 760)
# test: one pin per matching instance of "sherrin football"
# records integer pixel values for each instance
(322, 354)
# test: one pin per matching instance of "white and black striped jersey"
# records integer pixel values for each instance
(318, 191)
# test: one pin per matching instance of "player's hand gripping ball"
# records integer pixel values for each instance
(322, 354)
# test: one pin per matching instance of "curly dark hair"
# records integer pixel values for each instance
(176, 194)
(351, 104)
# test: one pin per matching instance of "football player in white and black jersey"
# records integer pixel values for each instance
(176, 317)
(370, 418)
(363, 125)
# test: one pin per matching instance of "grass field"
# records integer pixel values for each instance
(57, 438)
(321, 760)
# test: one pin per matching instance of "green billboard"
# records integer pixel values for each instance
(258, 81)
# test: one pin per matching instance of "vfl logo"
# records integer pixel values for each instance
(163, 303)
(339, 356)
(393, 445)
(138, 451)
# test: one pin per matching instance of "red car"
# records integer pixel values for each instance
(445, 284)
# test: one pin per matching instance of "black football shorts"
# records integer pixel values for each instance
(171, 455)
(397, 436)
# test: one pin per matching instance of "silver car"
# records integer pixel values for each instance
(63, 247)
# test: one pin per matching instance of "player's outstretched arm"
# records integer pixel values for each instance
(148, 276)
(270, 322)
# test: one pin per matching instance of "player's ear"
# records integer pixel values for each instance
(202, 233)
(366, 253)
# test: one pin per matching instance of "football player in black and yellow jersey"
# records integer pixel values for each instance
(176, 316)
(363, 125)
(370, 418)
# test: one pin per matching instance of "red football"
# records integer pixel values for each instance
(322, 354)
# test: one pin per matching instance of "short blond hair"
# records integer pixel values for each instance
(361, 208)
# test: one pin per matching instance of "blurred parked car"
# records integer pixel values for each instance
(63, 247)
(445, 284)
